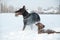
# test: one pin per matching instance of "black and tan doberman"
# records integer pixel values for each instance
(29, 18)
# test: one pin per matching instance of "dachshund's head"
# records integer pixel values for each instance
(40, 26)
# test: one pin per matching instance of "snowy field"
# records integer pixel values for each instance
(11, 28)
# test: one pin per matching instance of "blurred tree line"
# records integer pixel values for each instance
(10, 9)
(6, 9)
(49, 10)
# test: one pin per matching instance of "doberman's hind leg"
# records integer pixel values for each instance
(31, 26)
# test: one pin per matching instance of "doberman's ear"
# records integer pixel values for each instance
(24, 7)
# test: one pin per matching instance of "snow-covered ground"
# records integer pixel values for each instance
(11, 28)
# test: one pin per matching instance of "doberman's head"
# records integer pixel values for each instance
(21, 11)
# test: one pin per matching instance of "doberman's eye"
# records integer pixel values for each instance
(21, 10)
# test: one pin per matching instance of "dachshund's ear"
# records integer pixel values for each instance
(24, 7)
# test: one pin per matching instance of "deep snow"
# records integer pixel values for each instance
(11, 28)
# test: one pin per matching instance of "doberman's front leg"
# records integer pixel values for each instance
(24, 25)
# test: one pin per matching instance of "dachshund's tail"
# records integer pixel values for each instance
(56, 32)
